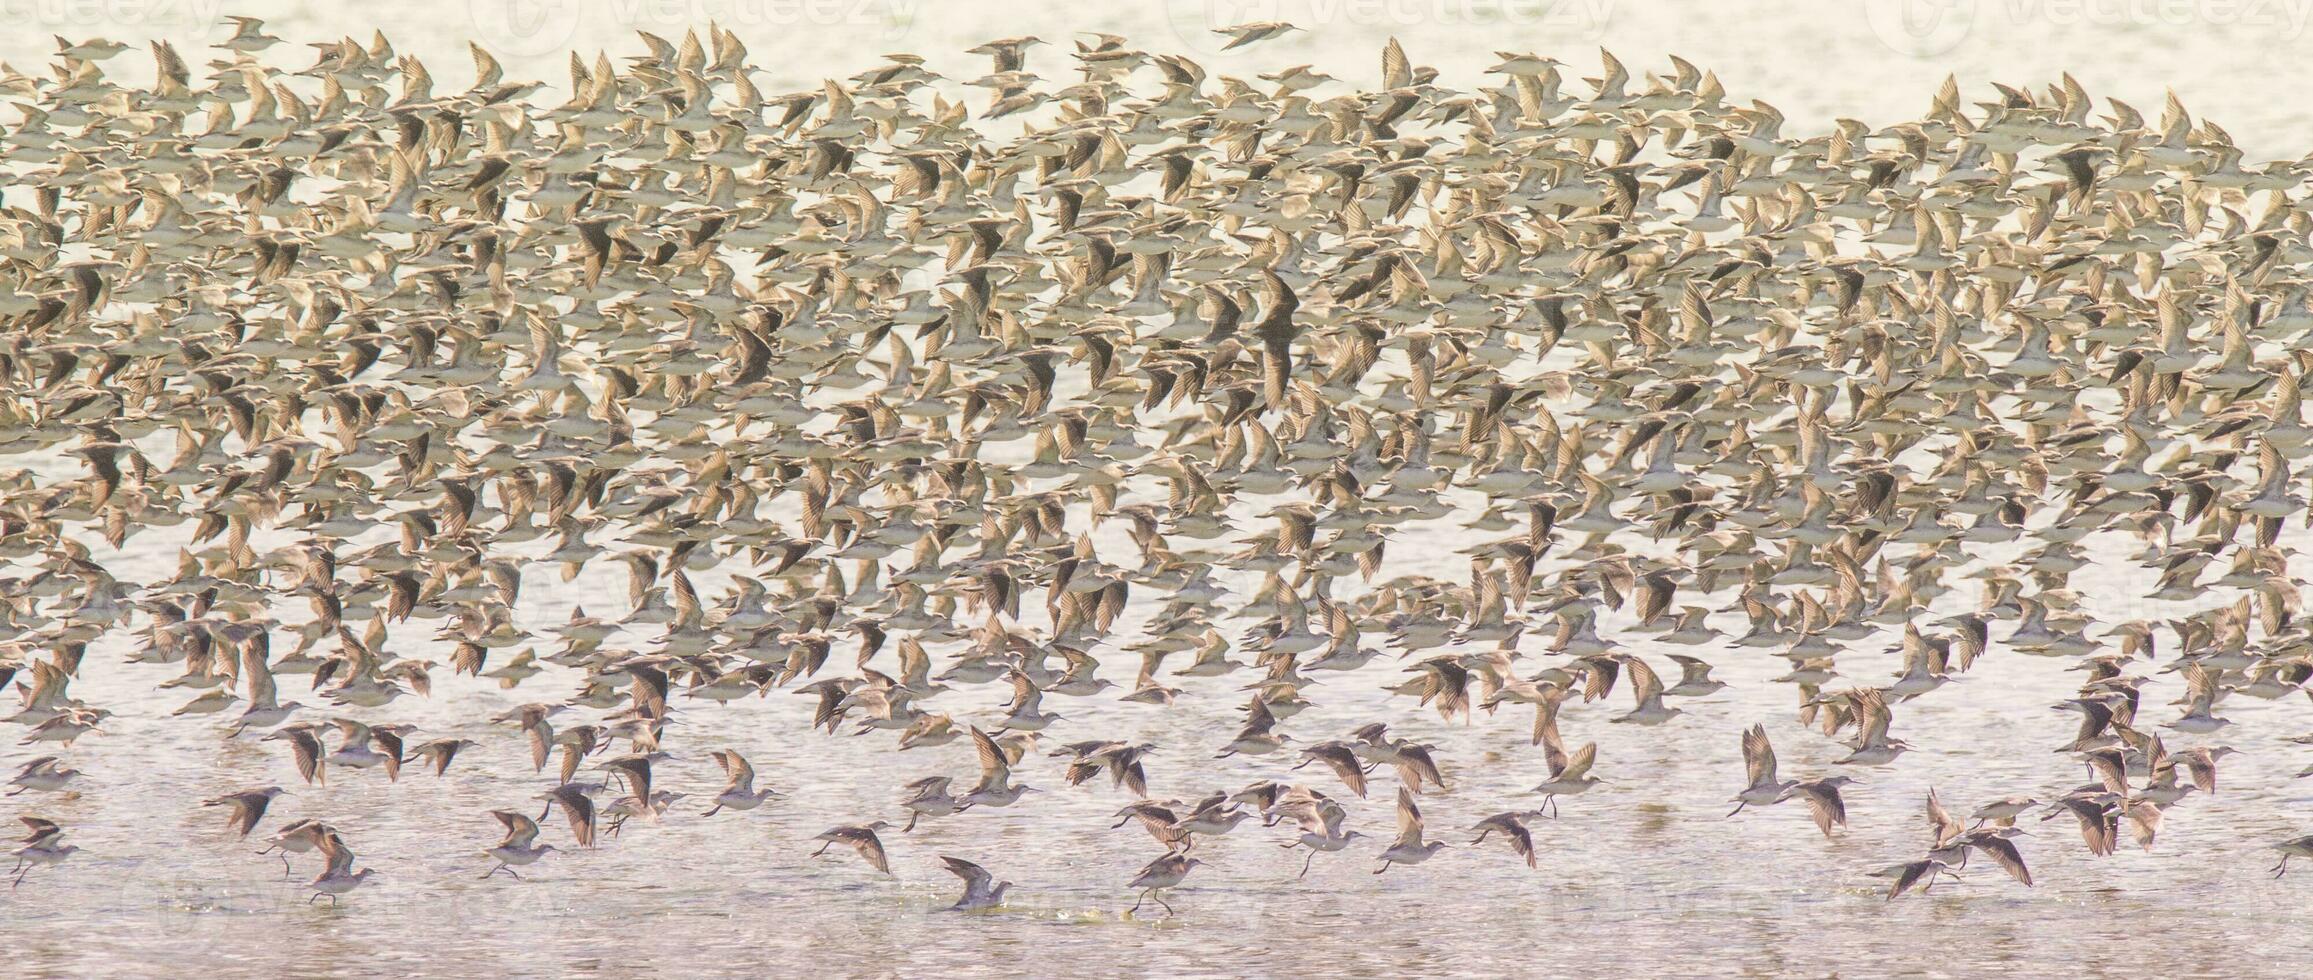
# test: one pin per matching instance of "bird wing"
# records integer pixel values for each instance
(1940, 822)
(1645, 685)
(1876, 717)
(1911, 875)
(1579, 765)
(1409, 819)
(340, 856)
(975, 877)
(1824, 803)
(307, 748)
(735, 766)
(2200, 687)
(41, 828)
(995, 769)
(1024, 693)
(637, 772)
(580, 809)
(870, 848)
(2003, 851)
(1758, 756)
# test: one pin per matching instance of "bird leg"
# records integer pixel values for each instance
(1305, 864)
(1384, 868)
(823, 849)
(717, 809)
(1738, 808)
(2281, 868)
(1136, 905)
(1160, 900)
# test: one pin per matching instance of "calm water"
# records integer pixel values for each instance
(1643, 874)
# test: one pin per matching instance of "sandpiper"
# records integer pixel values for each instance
(739, 792)
(1409, 848)
(338, 877)
(981, 890)
(248, 807)
(46, 774)
(42, 845)
(1160, 874)
(861, 838)
(519, 848)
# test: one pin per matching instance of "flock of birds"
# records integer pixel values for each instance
(957, 391)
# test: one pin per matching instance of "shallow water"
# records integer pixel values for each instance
(1641, 875)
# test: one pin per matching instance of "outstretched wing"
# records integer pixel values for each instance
(975, 877)
(1758, 756)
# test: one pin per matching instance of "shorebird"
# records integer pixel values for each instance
(1409, 848)
(519, 848)
(248, 807)
(1244, 34)
(46, 774)
(296, 837)
(440, 751)
(1647, 689)
(739, 792)
(2003, 812)
(929, 797)
(1122, 761)
(1759, 768)
(1872, 746)
(981, 890)
(44, 844)
(1921, 874)
(338, 877)
(861, 838)
(1510, 825)
(1569, 776)
(1160, 874)
(1320, 820)
(995, 788)
(1695, 675)
(2293, 847)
